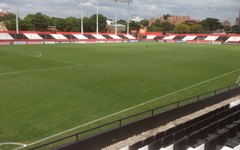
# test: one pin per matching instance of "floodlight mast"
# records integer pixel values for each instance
(97, 18)
(81, 16)
(17, 14)
(116, 17)
(128, 22)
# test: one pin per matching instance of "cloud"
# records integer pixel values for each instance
(221, 9)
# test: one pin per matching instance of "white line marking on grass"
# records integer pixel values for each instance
(35, 70)
(46, 58)
(237, 82)
(130, 108)
(13, 143)
(39, 55)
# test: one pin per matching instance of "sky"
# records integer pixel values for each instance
(196, 9)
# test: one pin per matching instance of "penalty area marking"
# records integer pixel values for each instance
(130, 108)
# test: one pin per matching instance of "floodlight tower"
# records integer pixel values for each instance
(81, 16)
(17, 14)
(239, 18)
(115, 17)
(97, 18)
(128, 22)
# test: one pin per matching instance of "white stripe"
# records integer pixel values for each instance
(100, 119)
(237, 82)
(52, 59)
(39, 55)
(13, 143)
(35, 70)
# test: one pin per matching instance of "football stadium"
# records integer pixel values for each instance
(129, 90)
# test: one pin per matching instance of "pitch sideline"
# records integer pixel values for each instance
(130, 108)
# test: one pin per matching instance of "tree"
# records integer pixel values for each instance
(156, 26)
(90, 23)
(165, 17)
(227, 28)
(144, 23)
(36, 22)
(9, 21)
(123, 22)
(236, 29)
(27, 23)
(72, 24)
(211, 24)
(166, 26)
(41, 22)
(182, 28)
(102, 20)
(205, 25)
(7, 17)
(134, 25)
(10, 24)
(59, 23)
(197, 28)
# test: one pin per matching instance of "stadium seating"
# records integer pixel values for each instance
(211, 38)
(89, 36)
(58, 36)
(5, 36)
(216, 130)
(178, 38)
(130, 37)
(122, 37)
(233, 39)
(33, 36)
(8, 36)
(222, 38)
(151, 37)
(70, 36)
(171, 37)
(99, 36)
(115, 37)
(80, 36)
(189, 38)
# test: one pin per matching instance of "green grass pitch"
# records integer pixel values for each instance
(47, 89)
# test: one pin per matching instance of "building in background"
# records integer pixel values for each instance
(151, 21)
(238, 19)
(176, 19)
(226, 23)
(136, 19)
(2, 13)
(192, 21)
(2, 25)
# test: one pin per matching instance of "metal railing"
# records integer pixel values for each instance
(152, 112)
